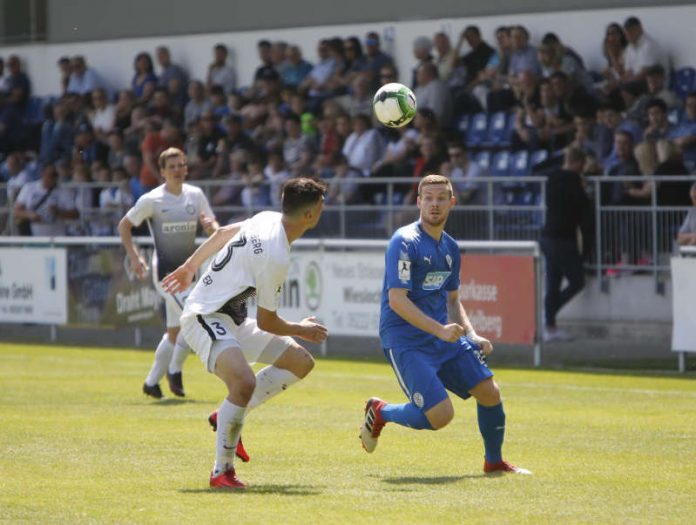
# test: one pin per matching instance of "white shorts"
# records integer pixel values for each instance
(210, 334)
(173, 303)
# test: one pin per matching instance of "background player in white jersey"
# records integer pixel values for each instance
(251, 258)
(173, 211)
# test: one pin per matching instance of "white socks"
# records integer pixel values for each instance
(230, 420)
(181, 352)
(163, 356)
(270, 381)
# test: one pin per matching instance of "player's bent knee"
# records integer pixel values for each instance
(487, 393)
(296, 359)
(440, 415)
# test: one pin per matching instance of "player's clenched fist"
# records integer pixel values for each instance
(451, 332)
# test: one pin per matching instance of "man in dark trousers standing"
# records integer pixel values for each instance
(566, 207)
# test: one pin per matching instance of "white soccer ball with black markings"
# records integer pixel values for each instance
(394, 105)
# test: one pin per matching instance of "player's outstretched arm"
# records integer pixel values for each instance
(404, 307)
(182, 277)
(457, 314)
(307, 329)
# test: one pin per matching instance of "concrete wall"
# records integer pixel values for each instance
(671, 26)
(81, 20)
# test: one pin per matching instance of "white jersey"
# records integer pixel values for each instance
(173, 221)
(253, 262)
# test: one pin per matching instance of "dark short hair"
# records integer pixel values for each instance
(473, 29)
(632, 21)
(264, 43)
(656, 70)
(656, 103)
(573, 154)
(301, 192)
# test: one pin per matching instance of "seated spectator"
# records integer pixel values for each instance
(210, 146)
(276, 175)
(594, 139)
(683, 136)
(16, 175)
(144, 74)
(658, 129)
(428, 160)
(103, 116)
(294, 141)
(219, 72)
(656, 84)
(160, 107)
(375, 58)
(297, 67)
(123, 108)
(478, 58)
(255, 191)
(230, 193)
(463, 172)
(117, 150)
(132, 166)
(397, 161)
(354, 64)
(359, 101)
(364, 146)
(554, 56)
(523, 56)
(86, 149)
(83, 80)
(642, 51)
(278, 57)
(342, 188)
(687, 232)
(114, 201)
(492, 88)
(624, 164)
(234, 138)
(574, 99)
(157, 139)
(12, 129)
(316, 83)
(43, 206)
(433, 93)
(197, 104)
(263, 47)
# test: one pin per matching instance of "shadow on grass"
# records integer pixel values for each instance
(429, 480)
(281, 490)
(171, 401)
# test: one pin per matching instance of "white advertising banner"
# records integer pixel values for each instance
(341, 289)
(33, 285)
(684, 304)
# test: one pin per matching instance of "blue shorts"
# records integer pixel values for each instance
(424, 375)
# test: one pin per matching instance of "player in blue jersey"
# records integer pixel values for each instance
(428, 338)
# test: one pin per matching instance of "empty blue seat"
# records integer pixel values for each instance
(674, 116)
(477, 130)
(483, 159)
(684, 81)
(537, 157)
(520, 163)
(500, 164)
(499, 129)
(463, 125)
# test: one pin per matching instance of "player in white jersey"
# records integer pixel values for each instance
(173, 211)
(251, 258)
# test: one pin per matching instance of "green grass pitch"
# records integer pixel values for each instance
(79, 443)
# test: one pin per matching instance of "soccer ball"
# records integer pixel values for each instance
(394, 105)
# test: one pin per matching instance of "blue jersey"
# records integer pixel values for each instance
(428, 269)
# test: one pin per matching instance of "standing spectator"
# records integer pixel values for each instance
(687, 232)
(297, 67)
(83, 80)
(219, 73)
(432, 93)
(17, 82)
(422, 47)
(172, 77)
(642, 51)
(64, 68)
(44, 206)
(567, 207)
(57, 136)
(144, 75)
(446, 56)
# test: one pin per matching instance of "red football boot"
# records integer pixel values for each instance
(241, 452)
(226, 480)
(503, 466)
(372, 425)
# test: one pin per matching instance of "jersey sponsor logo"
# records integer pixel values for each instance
(435, 280)
(428, 259)
(190, 209)
(404, 270)
(179, 227)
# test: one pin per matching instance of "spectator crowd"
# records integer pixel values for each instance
(315, 119)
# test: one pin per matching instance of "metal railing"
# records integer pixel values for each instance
(635, 238)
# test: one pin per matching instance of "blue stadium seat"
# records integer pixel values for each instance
(520, 163)
(537, 157)
(477, 131)
(674, 116)
(684, 81)
(463, 125)
(499, 130)
(34, 113)
(483, 159)
(500, 164)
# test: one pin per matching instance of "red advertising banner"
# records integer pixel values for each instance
(498, 293)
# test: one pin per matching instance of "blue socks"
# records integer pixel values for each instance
(408, 415)
(491, 421)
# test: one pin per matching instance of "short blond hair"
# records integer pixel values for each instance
(169, 153)
(434, 179)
